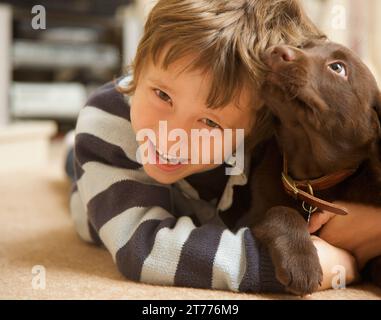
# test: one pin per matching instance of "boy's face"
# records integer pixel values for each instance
(179, 99)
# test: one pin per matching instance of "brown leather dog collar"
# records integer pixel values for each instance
(304, 190)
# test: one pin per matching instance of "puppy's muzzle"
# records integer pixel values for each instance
(279, 57)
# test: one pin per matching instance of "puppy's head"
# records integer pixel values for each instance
(323, 93)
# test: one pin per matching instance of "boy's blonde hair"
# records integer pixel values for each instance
(226, 37)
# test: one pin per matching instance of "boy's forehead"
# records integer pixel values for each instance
(180, 68)
(180, 62)
(181, 71)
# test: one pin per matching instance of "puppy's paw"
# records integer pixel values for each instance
(299, 272)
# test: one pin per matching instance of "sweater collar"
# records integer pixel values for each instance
(190, 184)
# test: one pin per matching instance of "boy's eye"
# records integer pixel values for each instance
(211, 123)
(162, 95)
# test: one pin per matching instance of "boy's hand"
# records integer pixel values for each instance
(332, 260)
(318, 220)
(364, 221)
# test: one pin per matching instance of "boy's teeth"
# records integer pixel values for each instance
(170, 159)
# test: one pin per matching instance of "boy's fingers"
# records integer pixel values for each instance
(318, 220)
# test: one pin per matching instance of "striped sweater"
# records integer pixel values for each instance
(172, 235)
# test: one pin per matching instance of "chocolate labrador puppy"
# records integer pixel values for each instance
(327, 108)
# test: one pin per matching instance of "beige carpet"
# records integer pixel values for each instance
(35, 229)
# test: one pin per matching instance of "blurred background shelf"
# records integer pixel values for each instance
(47, 100)
(46, 55)
(53, 70)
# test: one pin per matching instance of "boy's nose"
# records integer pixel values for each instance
(172, 127)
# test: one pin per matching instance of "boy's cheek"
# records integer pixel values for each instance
(132, 115)
(137, 118)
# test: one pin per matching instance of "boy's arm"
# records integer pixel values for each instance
(131, 216)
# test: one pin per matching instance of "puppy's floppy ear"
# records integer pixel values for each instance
(377, 107)
(376, 148)
(377, 110)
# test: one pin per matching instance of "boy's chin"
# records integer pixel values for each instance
(166, 177)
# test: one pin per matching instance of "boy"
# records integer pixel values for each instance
(197, 67)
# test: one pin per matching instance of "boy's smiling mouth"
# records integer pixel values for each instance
(166, 161)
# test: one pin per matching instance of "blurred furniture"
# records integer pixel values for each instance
(5, 47)
(134, 17)
(132, 24)
(35, 99)
(25, 145)
(55, 69)
(375, 37)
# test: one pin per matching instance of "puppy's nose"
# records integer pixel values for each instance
(280, 55)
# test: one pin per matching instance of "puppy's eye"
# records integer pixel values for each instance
(338, 68)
